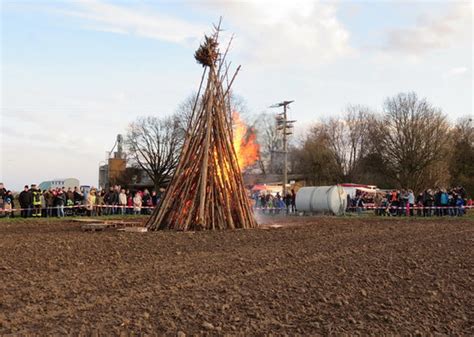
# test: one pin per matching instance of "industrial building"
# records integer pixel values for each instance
(114, 170)
(59, 183)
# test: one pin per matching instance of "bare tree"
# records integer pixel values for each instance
(464, 129)
(154, 145)
(411, 137)
(461, 164)
(348, 138)
(315, 160)
(270, 140)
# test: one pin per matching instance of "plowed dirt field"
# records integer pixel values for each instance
(312, 276)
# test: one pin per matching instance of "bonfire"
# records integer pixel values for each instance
(207, 190)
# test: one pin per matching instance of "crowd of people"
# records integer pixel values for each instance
(431, 202)
(60, 202)
(267, 202)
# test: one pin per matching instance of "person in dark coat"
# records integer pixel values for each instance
(59, 201)
(428, 203)
(147, 202)
(26, 202)
(3, 195)
(78, 197)
(437, 202)
(154, 198)
(69, 195)
(114, 199)
(293, 201)
(49, 200)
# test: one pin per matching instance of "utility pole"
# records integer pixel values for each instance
(284, 125)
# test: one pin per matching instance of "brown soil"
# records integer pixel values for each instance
(327, 275)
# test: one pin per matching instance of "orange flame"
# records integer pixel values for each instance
(245, 143)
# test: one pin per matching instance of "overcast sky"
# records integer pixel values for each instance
(75, 73)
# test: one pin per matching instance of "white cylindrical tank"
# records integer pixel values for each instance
(322, 199)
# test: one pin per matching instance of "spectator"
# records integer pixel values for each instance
(437, 202)
(444, 199)
(359, 204)
(410, 202)
(100, 203)
(293, 201)
(395, 202)
(428, 202)
(36, 193)
(91, 202)
(122, 198)
(349, 203)
(77, 200)
(43, 204)
(137, 203)
(460, 205)
(129, 209)
(49, 198)
(452, 199)
(161, 193)
(85, 194)
(470, 202)
(69, 206)
(108, 201)
(59, 201)
(69, 195)
(403, 202)
(263, 201)
(385, 206)
(154, 198)
(26, 202)
(146, 201)
(277, 202)
(8, 204)
(269, 199)
(115, 199)
(419, 204)
(3, 194)
(378, 203)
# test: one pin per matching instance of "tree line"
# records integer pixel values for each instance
(408, 143)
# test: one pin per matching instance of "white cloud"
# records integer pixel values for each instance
(286, 32)
(434, 32)
(135, 20)
(456, 71)
(275, 32)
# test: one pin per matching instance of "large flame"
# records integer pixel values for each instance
(245, 143)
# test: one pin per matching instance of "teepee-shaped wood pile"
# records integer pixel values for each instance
(207, 190)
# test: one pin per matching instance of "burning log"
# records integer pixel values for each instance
(207, 190)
